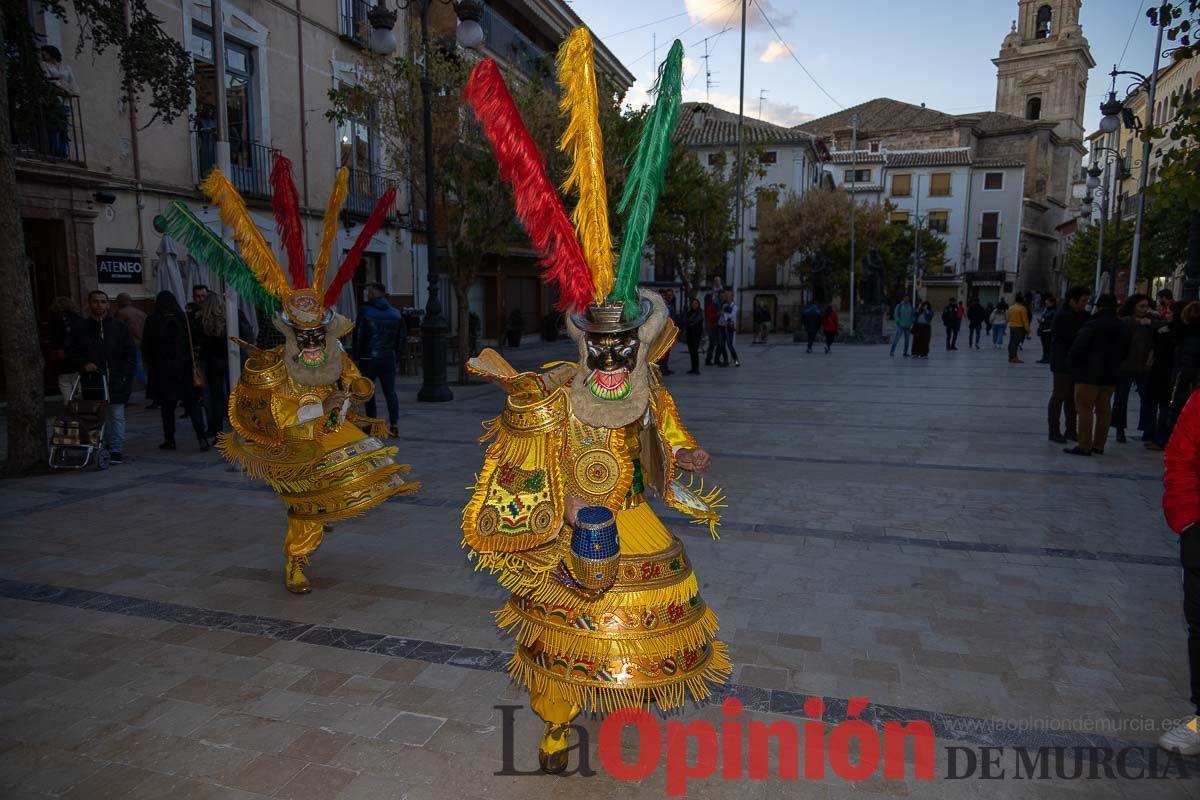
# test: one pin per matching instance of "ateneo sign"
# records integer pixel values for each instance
(112, 268)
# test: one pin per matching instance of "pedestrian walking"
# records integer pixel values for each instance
(729, 319)
(998, 324)
(712, 320)
(830, 325)
(1135, 368)
(1067, 322)
(214, 355)
(1158, 384)
(922, 330)
(976, 318)
(762, 322)
(135, 320)
(693, 329)
(1046, 328)
(664, 363)
(64, 317)
(1181, 506)
(379, 334)
(101, 351)
(810, 318)
(1095, 357)
(903, 315)
(168, 354)
(1018, 328)
(951, 321)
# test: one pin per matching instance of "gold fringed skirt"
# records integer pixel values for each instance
(649, 638)
(341, 476)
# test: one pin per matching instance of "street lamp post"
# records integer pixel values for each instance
(434, 326)
(1094, 172)
(1114, 112)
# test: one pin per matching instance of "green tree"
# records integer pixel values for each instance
(1081, 254)
(154, 68)
(818, 222)
(694, 226)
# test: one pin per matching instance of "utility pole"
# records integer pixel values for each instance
(1163, 21)
(853, 206)
(741, 172)
(916, 256)
(217, 22)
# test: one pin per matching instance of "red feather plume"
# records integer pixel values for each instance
(374, 223)
(285, 201)
(539, 207)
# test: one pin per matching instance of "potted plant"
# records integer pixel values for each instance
(516, 327)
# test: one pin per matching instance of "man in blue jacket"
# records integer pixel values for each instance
(904, 322)
(379, 333)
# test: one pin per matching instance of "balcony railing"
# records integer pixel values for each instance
(250, 163)
(364, 191)
(505, 40)
(51, 134)
(352, 15)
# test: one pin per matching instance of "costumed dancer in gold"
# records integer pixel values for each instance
(605, 606)
(291, 413)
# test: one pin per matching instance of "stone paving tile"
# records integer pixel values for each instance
(930, 551)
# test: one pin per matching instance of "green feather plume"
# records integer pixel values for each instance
(646, 175)
(207, 248)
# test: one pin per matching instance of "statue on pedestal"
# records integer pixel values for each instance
(873, 282)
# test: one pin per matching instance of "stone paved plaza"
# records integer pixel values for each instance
(897, 530)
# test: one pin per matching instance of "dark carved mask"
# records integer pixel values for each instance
(311, 342)
(611, 358)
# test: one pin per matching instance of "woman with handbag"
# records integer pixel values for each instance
(167, 351)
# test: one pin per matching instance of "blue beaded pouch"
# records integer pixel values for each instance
(595, 548)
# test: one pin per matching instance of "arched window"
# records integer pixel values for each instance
(1033, 108)
(1042, 25)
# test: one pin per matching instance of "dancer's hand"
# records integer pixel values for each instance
(334, 402)
(693, 459)
(571, 509)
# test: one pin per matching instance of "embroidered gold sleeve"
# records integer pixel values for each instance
(359, 388)
(258, 408)
(518, 499)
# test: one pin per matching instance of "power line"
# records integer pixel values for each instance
(646, 25)
(1129, 38)
(788, 47)
(685, 30)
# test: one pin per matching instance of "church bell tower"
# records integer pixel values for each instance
(1042, 69)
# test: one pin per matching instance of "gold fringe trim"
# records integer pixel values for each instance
(357, 511)
(253, 247)
(252, 467)
(520, 574)
(595, 645)
(604, 698)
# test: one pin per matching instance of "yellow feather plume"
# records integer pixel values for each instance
(253, 247)
(584, 143)
(341, 186)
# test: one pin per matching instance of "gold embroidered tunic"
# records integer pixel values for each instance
(650, 636)
(324, 467)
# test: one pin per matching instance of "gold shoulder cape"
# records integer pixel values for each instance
(324, 470)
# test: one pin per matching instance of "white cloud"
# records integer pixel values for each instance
(690, 69)
(775, 51)
(717, 14)
(785, 114)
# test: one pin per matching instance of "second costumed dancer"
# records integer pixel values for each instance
(605, 605)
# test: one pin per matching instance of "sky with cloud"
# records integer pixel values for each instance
(807, 59)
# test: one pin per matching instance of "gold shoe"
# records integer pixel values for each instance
(553, 748)
(293, 575)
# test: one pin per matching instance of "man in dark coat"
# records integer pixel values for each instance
(1095, 358)
(101, 349)
(167, 351)
(976, 318)
(379, 334)
(1067, 322)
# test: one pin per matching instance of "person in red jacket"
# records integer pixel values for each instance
(829, 326)
(1181, 505)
